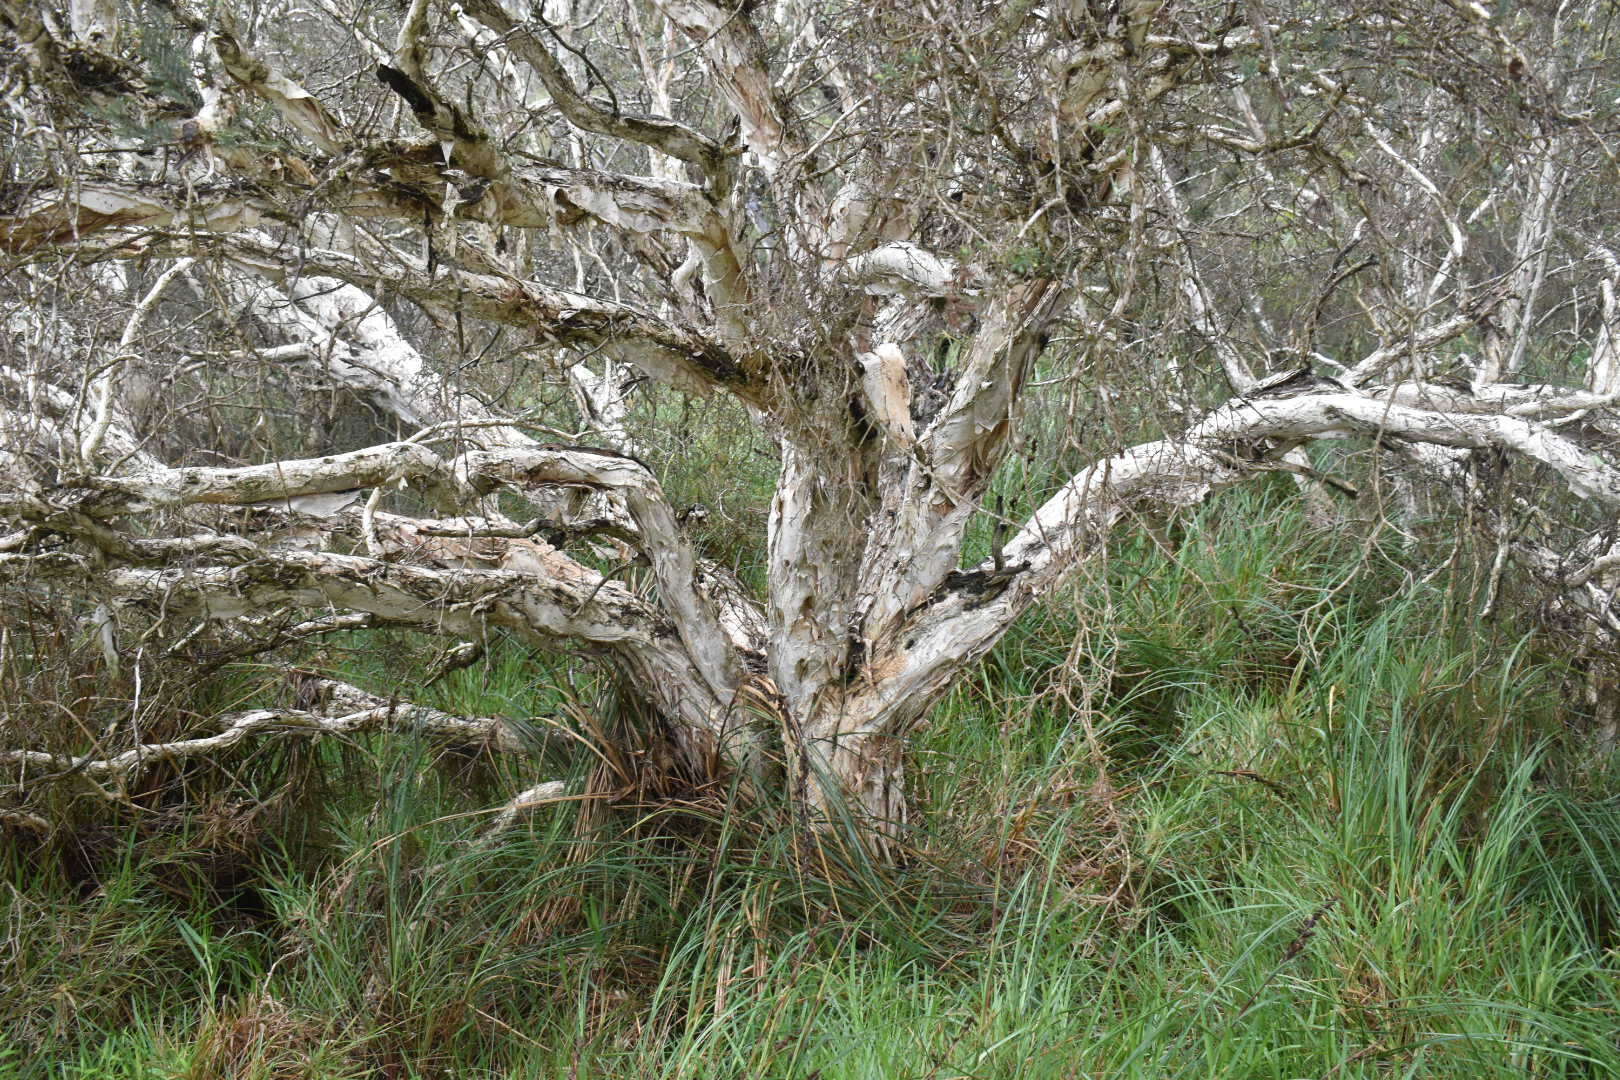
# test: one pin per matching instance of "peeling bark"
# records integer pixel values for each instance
(880, 253)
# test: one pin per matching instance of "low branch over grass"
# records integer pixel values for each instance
(350, 711)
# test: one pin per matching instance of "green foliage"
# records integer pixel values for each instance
(711, 455)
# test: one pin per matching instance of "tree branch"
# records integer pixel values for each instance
(735, 55)
(661, 133)
(493, 732)
(291, 101)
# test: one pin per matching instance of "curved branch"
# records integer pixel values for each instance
(239, 727)
(902, 267)
(53, 215)
(964, 619)
(661, 133)
(669, 352)
(104, 386)
(110, 496)
(661, 540)
(291, 101)
(736, 57)
(78, 508)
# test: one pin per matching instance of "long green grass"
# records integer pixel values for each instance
(1230, 808)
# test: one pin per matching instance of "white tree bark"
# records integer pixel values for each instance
(875, 265)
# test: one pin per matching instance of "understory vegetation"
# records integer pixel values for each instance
(1248, 803)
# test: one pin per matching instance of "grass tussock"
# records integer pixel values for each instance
(1233, 807)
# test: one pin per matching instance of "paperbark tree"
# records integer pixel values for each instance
(884, 231)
